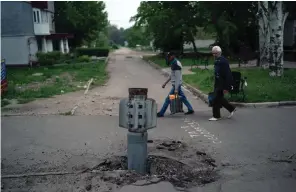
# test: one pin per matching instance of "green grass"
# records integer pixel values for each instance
(56, 80)
(185, 62)
(161, 61)
(261, 87)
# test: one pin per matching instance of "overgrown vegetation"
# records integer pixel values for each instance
(99, 52)
(87, 21)
(260, 87)
(188, 60)
(234, 25)
(28, 84)
(50, 58)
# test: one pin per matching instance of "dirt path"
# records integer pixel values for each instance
(126, 69)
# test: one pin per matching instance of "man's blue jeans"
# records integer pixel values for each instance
(167, 100)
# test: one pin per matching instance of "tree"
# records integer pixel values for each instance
(116, 35)
(178, 22)
(277, 23)
(235, 24)
(83, 19)
(264, 33)
(160, 21)
(137, 35)
(271, 32)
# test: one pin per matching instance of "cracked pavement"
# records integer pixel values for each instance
(247, 148)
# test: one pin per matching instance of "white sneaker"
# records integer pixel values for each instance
(231, 114)
(214, 119)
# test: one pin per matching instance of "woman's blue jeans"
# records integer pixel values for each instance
(183, 99)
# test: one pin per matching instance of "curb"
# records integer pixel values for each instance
(204, 97)
(107, 59)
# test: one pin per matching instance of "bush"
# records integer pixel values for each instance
(99, 52)
(115, 46)
(83, 58)
(50, 58)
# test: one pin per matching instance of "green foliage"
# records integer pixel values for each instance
(84, 19)
(102, 40)
(116, 35)
(187, 60)
(137, 35)
(161, 21)
(83, 58)
(172, 23)
(114, 46)
(55, 80)
(261, 88)
(205, 34)
(99, 52)
(46, 59)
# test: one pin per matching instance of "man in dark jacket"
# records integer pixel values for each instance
(223, 84)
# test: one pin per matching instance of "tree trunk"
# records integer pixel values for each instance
(193, 42)
(277, 22)
(264, 33)
(194, 46)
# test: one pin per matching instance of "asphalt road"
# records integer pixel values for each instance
(246, 147)
(250, 147)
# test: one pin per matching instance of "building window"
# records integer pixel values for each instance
(36, 16)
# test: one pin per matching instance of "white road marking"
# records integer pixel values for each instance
(195, 130)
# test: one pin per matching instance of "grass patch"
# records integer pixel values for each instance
(261, 87)
(55, 80)
(185, 61)
(162, 63)
(68, 113)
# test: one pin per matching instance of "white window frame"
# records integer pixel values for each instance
(37, 16)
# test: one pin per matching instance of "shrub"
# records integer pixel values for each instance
(83, 58)
(114, 46)
(50, 58)
(99, 52)
(66, 56)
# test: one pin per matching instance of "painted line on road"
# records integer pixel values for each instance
(195, 130)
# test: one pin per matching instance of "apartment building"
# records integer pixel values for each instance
(27, 27)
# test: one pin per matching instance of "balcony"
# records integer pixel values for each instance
(41, 29)
(41, 22)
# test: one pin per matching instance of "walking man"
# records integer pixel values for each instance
(176, 80)
(223, 84)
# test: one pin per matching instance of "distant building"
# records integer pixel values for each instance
(28, 27)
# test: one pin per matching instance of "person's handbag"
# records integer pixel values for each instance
(211, 97)
(176, 104)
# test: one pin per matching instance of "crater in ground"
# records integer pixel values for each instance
(161, 168)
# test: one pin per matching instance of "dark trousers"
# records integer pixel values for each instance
(218, 102)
